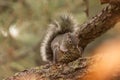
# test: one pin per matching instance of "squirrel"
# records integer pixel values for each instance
(59, 41)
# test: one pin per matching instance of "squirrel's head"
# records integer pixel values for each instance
(70, 44)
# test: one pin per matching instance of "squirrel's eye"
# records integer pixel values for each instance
(70, 41)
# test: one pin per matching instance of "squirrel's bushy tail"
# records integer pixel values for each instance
(65, 23)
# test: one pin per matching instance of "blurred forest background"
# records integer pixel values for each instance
(23, 24)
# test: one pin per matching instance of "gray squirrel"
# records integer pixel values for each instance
(57, 41)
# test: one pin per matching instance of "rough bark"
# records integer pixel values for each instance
(95, 27)
(69, 71)
(77, 69)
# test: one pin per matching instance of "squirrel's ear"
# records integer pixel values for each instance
(68, 35)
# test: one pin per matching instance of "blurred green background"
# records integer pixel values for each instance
(23, 24)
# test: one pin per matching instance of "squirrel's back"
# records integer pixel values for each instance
(65, 23)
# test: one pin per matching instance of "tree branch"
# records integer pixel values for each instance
(98, 25)
(55, 72)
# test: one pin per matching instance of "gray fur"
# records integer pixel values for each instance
(65, 23)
